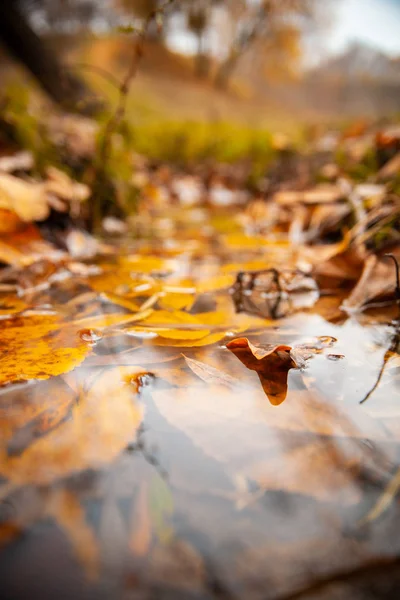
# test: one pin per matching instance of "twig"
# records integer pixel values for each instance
(396, 337)
(124, 87)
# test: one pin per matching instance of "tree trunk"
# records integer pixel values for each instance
(29, 49)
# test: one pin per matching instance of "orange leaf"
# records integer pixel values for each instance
(37, 347)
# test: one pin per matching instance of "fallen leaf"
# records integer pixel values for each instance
(272, 293)
(377, 280)
(28, 200)
(38, 347)
(210, 374)
(271, 363)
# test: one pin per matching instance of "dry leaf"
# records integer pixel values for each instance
(377, 280)
(28, 200)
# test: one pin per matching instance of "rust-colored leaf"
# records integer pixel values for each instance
(271, 363)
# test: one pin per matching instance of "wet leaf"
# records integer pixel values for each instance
(273, 362)
(210, 374)
(273, 294)
(38, 347)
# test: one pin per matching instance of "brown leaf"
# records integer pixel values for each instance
(272, 363)
(377, 280)
(271, 293)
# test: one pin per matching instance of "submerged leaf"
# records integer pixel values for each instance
(102, 422)
(210, 374)
(38, 347)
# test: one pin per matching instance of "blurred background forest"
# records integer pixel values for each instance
(249, 61)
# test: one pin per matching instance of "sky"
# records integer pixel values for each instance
(376, 22)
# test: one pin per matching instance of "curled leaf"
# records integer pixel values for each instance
(271, 363)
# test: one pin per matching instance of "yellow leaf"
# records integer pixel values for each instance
(176, 317)
(37, 347)
(120, 301)
(103, 321)
(176, 300)
(147, 264)
(182, 334)
(213, 284)
(212, 338)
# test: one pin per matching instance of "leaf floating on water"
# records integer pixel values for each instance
(38, 347)
(210, 374)
(272, 363)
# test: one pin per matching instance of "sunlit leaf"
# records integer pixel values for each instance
(37, 347)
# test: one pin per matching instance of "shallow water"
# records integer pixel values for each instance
(131, 476)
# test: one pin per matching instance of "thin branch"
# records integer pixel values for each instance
(125, 86)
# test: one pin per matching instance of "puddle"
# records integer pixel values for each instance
(141, 474)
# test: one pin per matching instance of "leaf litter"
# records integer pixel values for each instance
(212, 378)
